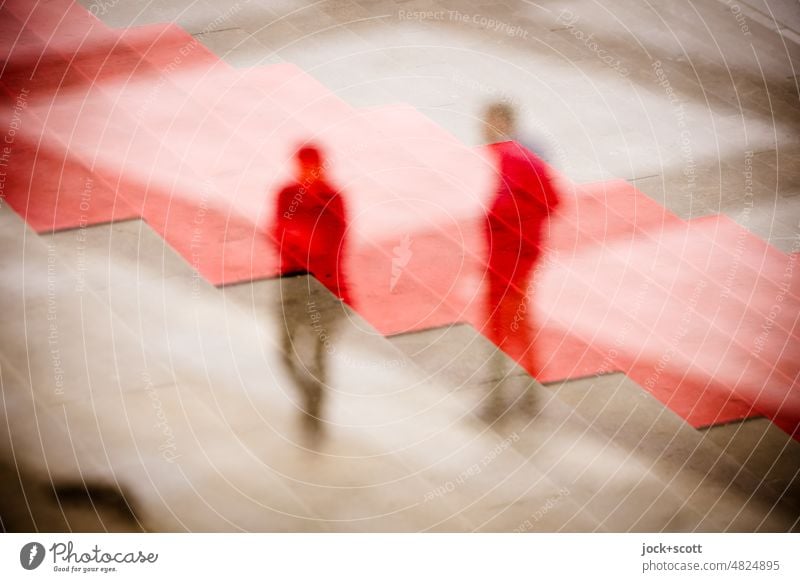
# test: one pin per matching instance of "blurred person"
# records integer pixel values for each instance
(310, 232)
(522, 202)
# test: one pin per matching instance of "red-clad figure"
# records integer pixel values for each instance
(523, 202)
(310, 231)
(311, 224)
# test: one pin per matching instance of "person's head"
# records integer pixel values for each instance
(499, 122)
(309, 164)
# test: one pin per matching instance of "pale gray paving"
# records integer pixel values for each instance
(765, 202)
(101, 403)
(729, 497)
(714, 480)
(49, 322)
(763, 449)
(233, 458)
(98, 424)
(609, 480)
(457, 355)
(370, 367)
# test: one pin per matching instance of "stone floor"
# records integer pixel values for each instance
(139, 397)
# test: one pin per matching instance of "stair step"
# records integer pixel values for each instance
(50, 323)
(169, 48)
(576, 295)
(456, 354)
(604, 478)
(360, 352)
(764, 450)
(687, 459)
(232, 416)
(128, 246)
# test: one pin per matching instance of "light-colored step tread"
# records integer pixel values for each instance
(456, 354)
(607, 480)
(765, 450)
(231, 415)
(685, 457)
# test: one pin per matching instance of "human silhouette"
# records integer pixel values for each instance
(310, 232)
(522, 202)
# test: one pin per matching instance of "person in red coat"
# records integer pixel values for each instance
(523, 201)
(311, 224)
(310, 233)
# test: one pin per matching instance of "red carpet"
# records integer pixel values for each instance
(111, 124)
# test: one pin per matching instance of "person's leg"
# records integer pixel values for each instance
(494, 405)
(530, 355)
(317, 384)
(510, 263)
(326, 334)
(312, 408)
(523, 339)
(297, 355)
(511, 305)
(289, 323)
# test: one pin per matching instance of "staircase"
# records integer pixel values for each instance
(143, 286)
(669, 461)
(198, 422)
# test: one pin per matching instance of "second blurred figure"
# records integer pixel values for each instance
(523, 200)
